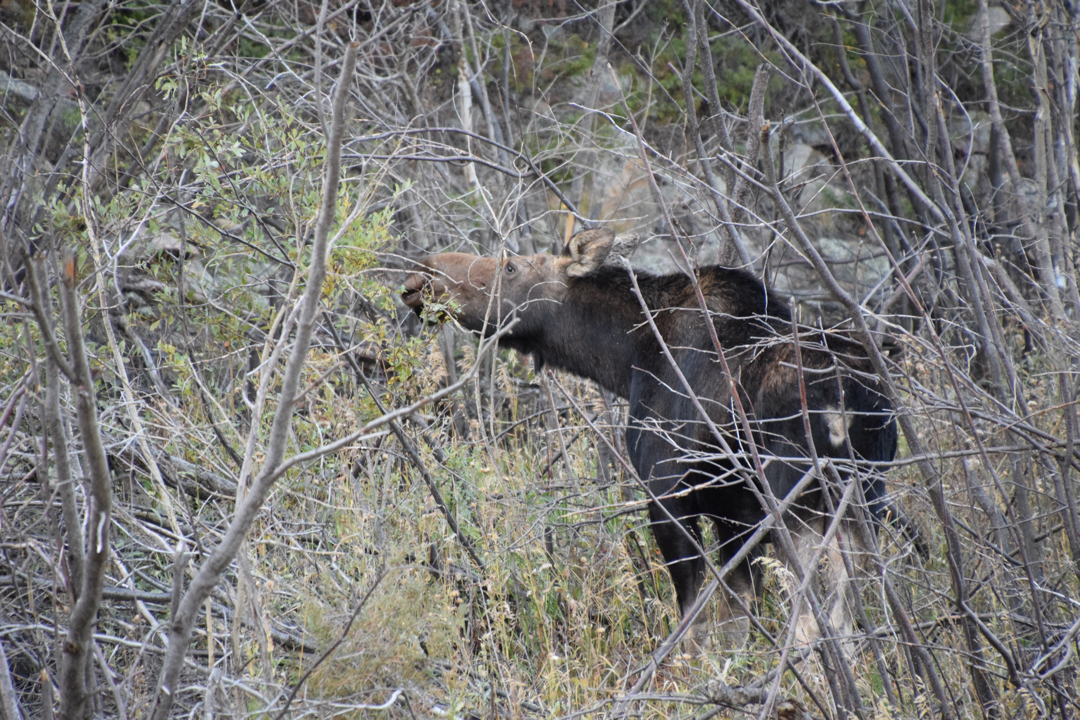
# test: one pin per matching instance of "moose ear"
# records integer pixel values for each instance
(588, 251)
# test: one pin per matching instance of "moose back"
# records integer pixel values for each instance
(579, 311)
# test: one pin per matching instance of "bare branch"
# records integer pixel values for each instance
(78, 648)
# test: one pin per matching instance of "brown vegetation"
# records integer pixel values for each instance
(238, 477)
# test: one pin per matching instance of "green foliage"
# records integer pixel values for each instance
(11, 336)
(736, 61)
(575, 58)
(521, 60)
(562, 59)
(960, 13)
(666, 12)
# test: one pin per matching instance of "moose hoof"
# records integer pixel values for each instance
(719, 637)
(733, 633)
(695, 641)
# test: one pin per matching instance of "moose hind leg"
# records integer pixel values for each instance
(834, 586)
(842, 588)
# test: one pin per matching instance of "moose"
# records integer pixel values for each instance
(704, 402)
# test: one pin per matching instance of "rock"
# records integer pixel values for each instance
(974, 174)
(972, 132)
(811, 132)
(541, 111)
(165, 242)
(996, 18)
(857, 263)
(623, 191)
(22, 90)
(611, 93)
(145, 247)
(807, 173)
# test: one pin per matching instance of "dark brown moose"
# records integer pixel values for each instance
(578, 311)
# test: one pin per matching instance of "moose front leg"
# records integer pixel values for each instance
(680, 543)
(679, 540)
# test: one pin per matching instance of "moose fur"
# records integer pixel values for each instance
(578, 311)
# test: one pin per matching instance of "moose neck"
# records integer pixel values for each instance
(595, 331)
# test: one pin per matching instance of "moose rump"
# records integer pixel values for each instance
(714, 434)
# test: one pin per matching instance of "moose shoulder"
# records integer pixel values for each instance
(580, 311)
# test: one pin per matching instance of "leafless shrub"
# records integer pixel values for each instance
(167, 200)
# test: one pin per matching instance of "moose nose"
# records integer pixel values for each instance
(413, 293)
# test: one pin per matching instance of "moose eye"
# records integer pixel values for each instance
(510, 269)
